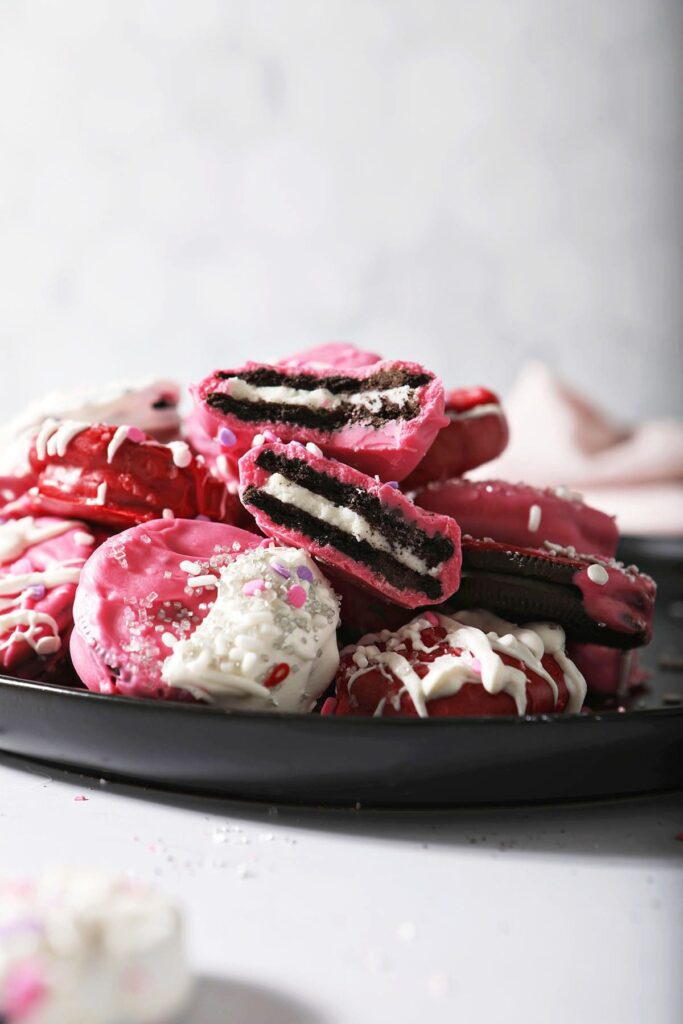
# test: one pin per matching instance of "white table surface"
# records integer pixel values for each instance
(563, 914)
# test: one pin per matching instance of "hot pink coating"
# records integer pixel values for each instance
(477, 432)
(341, 354)
(523, 515)
(37, 588)
(608, 671)
(390, 451)
(252, 475)
(133, 591)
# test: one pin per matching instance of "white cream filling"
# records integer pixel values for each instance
(344, 519)
(320, 398)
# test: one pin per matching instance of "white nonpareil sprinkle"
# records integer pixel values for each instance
(598, 574)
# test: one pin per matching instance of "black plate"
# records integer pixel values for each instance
(308, 759)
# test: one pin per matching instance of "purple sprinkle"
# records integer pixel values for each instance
(227, 437)
(36, 591)
(304, 573)
(393, 483)
(281, 569)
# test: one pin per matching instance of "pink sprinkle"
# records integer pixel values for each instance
(227, 437)
(431, 618)
(296, 596)
(24, 990)
(268, 435)
(476, 665)
(80, 798)
(253, 587)
(36, 591)
(135, 434)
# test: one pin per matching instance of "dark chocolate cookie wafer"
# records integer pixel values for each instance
(596, 600)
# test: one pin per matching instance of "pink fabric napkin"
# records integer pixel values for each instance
(557, 437)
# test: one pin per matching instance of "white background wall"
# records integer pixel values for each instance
(185, 183)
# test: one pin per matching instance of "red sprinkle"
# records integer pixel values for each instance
(80, 798)
(296, 596)
(277, 675)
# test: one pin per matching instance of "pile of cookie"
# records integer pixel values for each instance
(305, 537)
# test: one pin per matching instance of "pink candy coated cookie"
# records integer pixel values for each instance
(118, 476)
(380, 419)
(477, 432)
(471, 663)
(41, 561)
(522, 515)
(367, 530)
(142, 590)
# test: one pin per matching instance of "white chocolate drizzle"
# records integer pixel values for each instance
(120, 435)
(18, 535)
(486, 409)
(55, 436)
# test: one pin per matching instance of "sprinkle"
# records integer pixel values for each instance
(79, 799)
(180, 451)
(36, 591)
(227, 437)
(101, 493)
(203, 581)
(191, 568)
(168, 640)
(598, 574)
(257, 440)
(252, 587)
(296, 596)
(476, 665)
(135, 434)
(277, 675)
(393, 483)
(313, 449)
(269, 435)
(431, 618)
(280, 569)
(329, 707)
(304, 573)
(167, 514)
(202, 518)
(85, 539)
(534, 518)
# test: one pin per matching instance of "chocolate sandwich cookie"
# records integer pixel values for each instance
(367, 530)
(596, 600)
(380, 419)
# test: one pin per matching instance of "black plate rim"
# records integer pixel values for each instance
(343, 721)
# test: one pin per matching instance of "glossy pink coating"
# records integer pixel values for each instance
(390, 450)
(523, 515)
(134, 590)
(390, 500)
(608, 671)
(341, 354)
(477, 432)
(37, 588)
